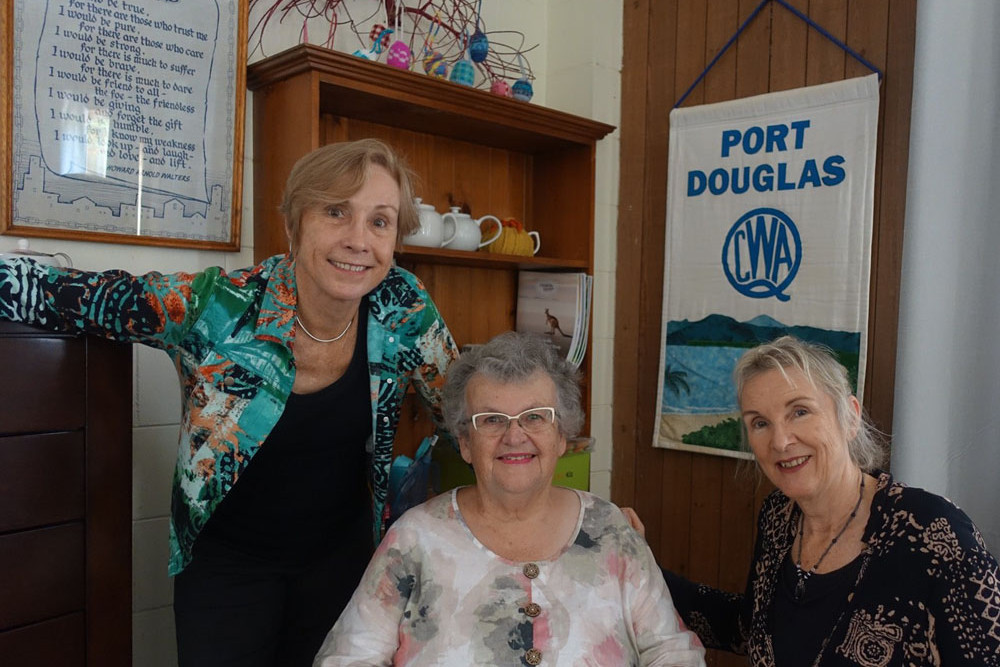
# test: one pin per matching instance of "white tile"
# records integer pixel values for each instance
(571, 36)
(602, 375)
(605, 237)
(151, 587)
(608, 43)
(604, 304)
(600, 430)
(571, 90)
(239, 260)
(157, 389)
(600, 484)
(590, 31)
(605, 86)
(606, 171)
(154, 641)
(154, 454)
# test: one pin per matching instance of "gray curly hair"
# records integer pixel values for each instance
(513, 357)
(819, 364)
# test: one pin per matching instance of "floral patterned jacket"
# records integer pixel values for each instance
(927, 593)
(230, 336)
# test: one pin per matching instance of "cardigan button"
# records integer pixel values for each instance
(532, 609)
(229, 381)
(530, 570)
(533, 656)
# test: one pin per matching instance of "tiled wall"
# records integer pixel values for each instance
(577, 67)
(582, 77)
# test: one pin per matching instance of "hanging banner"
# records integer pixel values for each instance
(769, 220)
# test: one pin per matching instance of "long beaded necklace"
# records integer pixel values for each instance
(803, 575)
(324, 340)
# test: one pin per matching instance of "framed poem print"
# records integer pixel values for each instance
(123, 120)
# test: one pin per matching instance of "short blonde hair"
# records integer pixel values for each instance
(821, 367)
(333, 173)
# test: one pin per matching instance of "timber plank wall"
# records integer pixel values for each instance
(700, 514)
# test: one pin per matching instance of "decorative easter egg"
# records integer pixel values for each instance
(435, 65)
(479, 46)
(379, 35)
(399, 55)
(500, 87)
(522, 90)
(464, 73)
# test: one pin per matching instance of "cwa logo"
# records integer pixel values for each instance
(762, 254)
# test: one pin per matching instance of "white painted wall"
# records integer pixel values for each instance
(577, 66)
(947, 402)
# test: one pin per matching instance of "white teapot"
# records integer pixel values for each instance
(465, 232)
(431, 231)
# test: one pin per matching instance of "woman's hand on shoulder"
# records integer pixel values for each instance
(634, 521)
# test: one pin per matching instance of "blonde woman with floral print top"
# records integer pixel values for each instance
(292, 375)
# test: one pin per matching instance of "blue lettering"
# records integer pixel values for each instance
(782, 254)
(800, 128)
(738, 188)
(834, 172)
(696, 182)
(776, 137)
(763, 178)
(772, 139)
(718, 181)
(753, 140)
(810, 175)
(729, 139)
(783, 183)
(760, 247)
(760, 244)
(741, 275)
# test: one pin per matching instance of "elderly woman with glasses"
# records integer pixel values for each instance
(511, 570)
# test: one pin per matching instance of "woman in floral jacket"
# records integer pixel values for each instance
(292, 374)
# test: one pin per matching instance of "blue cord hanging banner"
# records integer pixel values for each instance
(820, 29)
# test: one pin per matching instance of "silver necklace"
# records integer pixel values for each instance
(324, 340)
(803, 575)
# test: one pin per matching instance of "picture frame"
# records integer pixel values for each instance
(123, 121)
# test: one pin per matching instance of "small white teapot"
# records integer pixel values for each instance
(466, 233)
(431, 231)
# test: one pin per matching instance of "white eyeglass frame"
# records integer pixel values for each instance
(517, 417)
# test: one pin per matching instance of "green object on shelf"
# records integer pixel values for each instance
(572, 470)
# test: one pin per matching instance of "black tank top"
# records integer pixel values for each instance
(306, 488)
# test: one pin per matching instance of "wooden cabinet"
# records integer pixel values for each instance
(494, 155)
(65, 499)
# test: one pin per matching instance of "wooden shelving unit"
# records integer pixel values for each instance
(494, 155)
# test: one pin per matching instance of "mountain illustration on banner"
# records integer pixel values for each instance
(556, 305)
(701, 355)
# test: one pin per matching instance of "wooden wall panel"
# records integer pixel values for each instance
(699, 510)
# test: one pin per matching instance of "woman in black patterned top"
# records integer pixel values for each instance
(850, 567)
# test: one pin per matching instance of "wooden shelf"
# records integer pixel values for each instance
(358, 88)
(488, 259)
(492, 154)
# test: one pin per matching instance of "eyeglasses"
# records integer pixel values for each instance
(533, 420)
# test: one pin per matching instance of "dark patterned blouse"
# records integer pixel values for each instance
(927, 590)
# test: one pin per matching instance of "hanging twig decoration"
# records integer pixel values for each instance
(428, 26)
